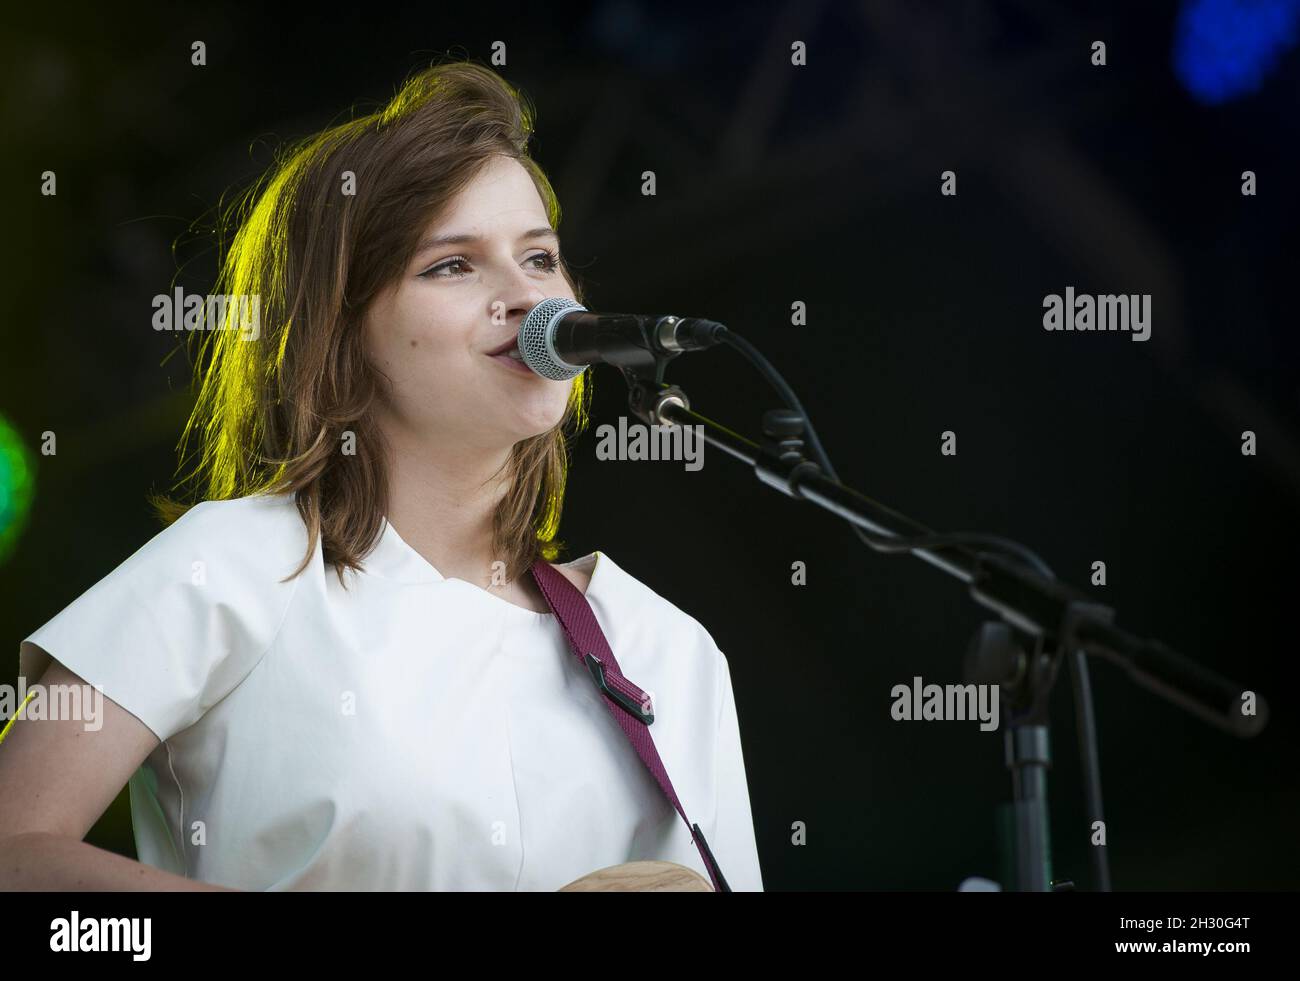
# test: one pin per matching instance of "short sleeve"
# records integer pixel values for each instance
(181, 622)
(733, 842)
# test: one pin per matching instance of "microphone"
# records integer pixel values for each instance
(559, 337)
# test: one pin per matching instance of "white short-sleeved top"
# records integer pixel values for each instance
(411, 732)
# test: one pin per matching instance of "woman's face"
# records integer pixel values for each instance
(432, 332)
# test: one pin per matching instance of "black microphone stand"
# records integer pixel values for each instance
(1056, 619)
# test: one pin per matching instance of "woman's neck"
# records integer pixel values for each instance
(441, 502)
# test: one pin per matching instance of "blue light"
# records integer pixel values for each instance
(1224, 48)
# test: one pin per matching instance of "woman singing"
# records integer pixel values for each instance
(336, 671)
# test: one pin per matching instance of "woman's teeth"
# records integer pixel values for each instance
(514, 353)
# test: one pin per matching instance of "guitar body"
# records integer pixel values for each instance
(641, 877)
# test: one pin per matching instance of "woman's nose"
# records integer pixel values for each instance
(517, 299)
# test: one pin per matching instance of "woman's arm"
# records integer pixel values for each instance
(41, 861)
(56, 779)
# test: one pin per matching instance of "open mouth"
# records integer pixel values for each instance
(510, 349)
(510, 356)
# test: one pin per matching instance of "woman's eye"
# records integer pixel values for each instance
(550, 262)
(433, 273)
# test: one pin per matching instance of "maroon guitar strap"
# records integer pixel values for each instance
(629, 705)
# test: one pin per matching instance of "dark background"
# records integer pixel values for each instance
(776, 184)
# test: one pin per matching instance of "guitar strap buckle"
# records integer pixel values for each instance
(632, 705)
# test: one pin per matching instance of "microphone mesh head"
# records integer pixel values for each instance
(535, 342)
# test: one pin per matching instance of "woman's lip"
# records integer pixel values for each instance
(514, 363)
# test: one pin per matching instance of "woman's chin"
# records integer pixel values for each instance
(540, 413)
(528, 425)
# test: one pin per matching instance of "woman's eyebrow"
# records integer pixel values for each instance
(438, 241)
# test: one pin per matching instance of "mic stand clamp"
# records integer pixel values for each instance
(647, 393)
(781, 462)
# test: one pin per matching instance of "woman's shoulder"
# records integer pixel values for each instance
(241, 519)
(215, 552)
(579, 571)
(259, 535)
(184, 618)
(221, 560)
(631, 602)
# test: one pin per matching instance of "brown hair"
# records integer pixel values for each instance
(271, 412)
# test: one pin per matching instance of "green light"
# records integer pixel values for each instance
(17, 487)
